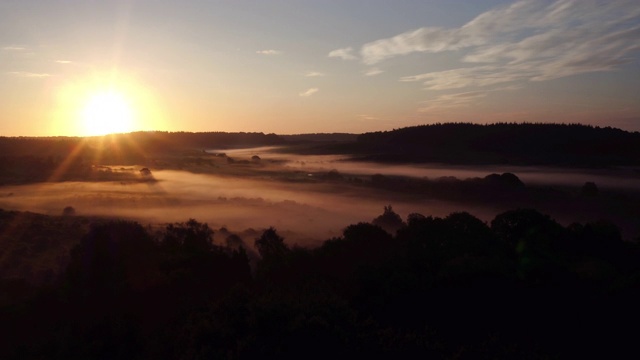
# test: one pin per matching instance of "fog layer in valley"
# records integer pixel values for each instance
(307, 212)
(276, 192)
(615, 178)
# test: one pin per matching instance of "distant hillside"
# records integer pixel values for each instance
(320, 137)
(126, 148)
(526, 144)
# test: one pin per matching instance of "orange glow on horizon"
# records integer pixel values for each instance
(104, 104)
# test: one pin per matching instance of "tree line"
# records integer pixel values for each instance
(521, 286)
(499, 143)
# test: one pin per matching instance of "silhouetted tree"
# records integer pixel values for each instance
(511, 180)
(234, 241)
(365, 234)
(469, 231)
(513, 226)
(540, 244)
(365, 243)
(198, 269)
(506, 180)
(190, 236)
(414, 218)
(389, 220)
(110, 259)
(598, 238)
(270, 245)
(442, 287)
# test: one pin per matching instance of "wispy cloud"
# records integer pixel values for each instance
(314, 74)
(372, 72)
(366, 117)
(428, 39)
(309, 92)
(63, 61)
(448, 101)
(529, 40)
(344, 54)
(13, 48)
(28, 74)
(269, 52)
(471, 77)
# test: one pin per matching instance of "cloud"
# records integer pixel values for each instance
(528, 40)
(13, 48)
(422, 40)
(448, 101)
(313, 74)
(28, 74)
(366, 117)
(372, 72)
(471, 77)
(344, 54)
(269, 52)
(309, 92)
(63, 61)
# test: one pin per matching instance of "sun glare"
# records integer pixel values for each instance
(106, 113)
(105, 103)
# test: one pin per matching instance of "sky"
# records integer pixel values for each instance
(78, 68)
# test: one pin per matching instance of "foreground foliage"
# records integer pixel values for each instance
(522, 286)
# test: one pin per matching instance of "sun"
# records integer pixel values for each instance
(105, 102)
(107, 112)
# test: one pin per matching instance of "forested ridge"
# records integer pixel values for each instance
(530, 144)
(499, 143)
(36, 159)
(455, 143)
(123, 149)
(520, 286)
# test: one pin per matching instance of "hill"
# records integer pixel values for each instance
(502, 143)
(132, 143)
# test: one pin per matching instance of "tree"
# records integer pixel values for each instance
(365, 234)
(234, 241)
(390, 221)
(191, 236)
(504, 181)
(512, 180)
(270, 245)
(111, 258)
(516, 225)
(465, 234)
(538, 243)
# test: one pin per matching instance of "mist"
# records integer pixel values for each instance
(611, 178)
(306, 213)
(278, 192)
